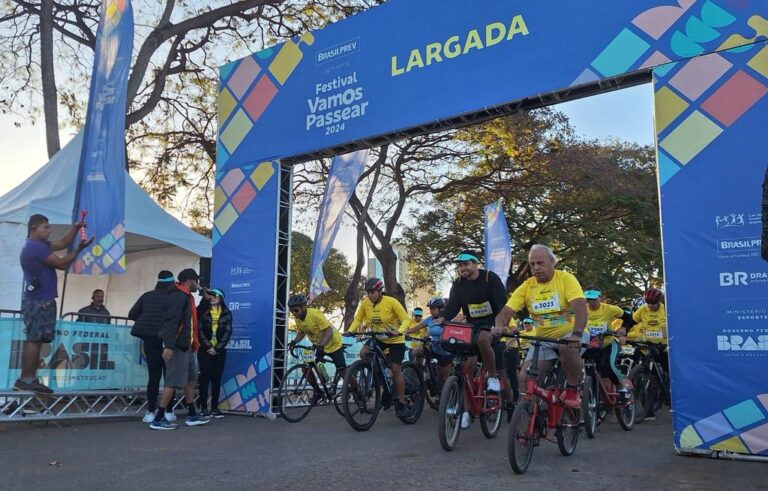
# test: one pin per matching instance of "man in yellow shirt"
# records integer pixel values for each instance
(600, 317)
(554, 300)
(312, 323)
(386, 315)
(651, 324)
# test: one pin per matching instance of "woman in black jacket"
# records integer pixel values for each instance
(214, 323)
(148, 313)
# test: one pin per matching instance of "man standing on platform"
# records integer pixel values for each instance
(38, 306)
(96, 312)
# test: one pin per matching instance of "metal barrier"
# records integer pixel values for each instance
(111, 319)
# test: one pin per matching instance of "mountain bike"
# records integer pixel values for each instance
(649, 378)
(368, 379)
(600, 396)
(430, 375)
(297, 394)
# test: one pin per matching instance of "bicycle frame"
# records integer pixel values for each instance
(311, 368)
(608, 390)
(473, 389)
(378, 364)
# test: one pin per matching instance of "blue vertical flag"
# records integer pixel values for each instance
(101, 178)
(342, 180)
(498, 248)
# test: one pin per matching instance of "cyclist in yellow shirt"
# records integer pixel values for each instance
(554, 299)
(600, 316)
(312, 323)
(416, 320)
(384, 314)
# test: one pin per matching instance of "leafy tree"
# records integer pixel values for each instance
(336, 269)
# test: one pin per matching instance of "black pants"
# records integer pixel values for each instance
(511, 359)
(153, 351)
(211, 370)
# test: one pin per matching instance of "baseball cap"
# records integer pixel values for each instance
(418, 311)
(467, 255)
(218, 292)
(592, 294)
(188, 274)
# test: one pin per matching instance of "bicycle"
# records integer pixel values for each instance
(296, 395)
(540, 410)
(601, 396)
(430, 375)
(366, 380)
(460, 386)
(649, 378)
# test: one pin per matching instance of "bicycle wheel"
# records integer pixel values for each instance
(432, 383)
(336, 390)
(589, 407)
(295, 394)
(625, 414)
(361, 396)
(567, 432)
(656, 394)
(639, 377)
(449, 415)
(521, 439)
(414, 392)
(490, 419)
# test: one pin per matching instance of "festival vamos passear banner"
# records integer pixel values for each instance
(712, 154)
(82, 356)
(245, 240)
(406, 64)
(100, 190)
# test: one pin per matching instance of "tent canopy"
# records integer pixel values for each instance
(51, 192)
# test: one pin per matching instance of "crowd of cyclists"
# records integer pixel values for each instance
(551, 305)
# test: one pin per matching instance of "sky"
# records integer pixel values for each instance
(624, 114)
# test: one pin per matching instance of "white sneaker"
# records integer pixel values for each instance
(149, 417)
(465, 421)
(493, 384)
(170, 416)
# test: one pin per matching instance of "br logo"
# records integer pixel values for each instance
(733, 279)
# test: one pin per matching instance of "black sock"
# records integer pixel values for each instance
(160, 413)
(191, 409)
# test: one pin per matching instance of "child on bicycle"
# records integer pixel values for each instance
(432, 349)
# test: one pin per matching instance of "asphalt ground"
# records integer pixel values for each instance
(324, 452)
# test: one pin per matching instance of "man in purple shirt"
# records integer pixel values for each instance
(38, 306)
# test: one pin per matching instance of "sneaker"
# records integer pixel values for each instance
(317, 397)
(163, 424)
(465, 421)
(571, 398)
(493, 384)
(170, 416)
(149, 417)
(401, 410)
(205, 414)
(217, 414)
(196, 420)
(34, 386)
(623, 394)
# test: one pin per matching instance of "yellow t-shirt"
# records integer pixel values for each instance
(653, 325)
(215, 315)
(549, 304)
(313, 326)
(385, 315)
(599, 320)
(421, 333)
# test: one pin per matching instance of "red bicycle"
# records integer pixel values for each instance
(540, 411)
(459, 338)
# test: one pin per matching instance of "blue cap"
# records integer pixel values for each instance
(466, 256)
(592, 294)
(418, 311)
(217, 292)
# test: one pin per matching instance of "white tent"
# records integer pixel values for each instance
(155, 240)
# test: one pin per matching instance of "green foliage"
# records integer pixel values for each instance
(336, 269)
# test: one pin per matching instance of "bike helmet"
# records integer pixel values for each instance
(436, 302)
(653, 295)
(374, 284)
(297, 300)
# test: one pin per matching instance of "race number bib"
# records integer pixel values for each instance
(477, 310)
(546, 303)
(597, 329)
(308, 355)
(654, 334)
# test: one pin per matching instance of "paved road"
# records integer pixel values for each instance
(323, 452)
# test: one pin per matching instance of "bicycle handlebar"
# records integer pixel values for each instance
(371, 334)
(313, 347)
(423, 340)
(539, 339)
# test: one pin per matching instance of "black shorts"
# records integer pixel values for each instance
(396, 351)
(337, 357)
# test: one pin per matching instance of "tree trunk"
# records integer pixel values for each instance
(388, 259)
(48, 76)
(352, 295)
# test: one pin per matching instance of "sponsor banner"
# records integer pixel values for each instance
(82, 356)
(101, 177)
(342, 180)
(498, 247)
(711, 190)
(244, 264)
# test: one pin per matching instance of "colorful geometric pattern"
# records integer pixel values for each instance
(248, 86)
(114, 11)
(235, 191)
(240, 392)
(741, 428)
(105, 256)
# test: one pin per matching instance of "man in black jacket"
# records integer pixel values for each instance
(148, 314)
(179, 336)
